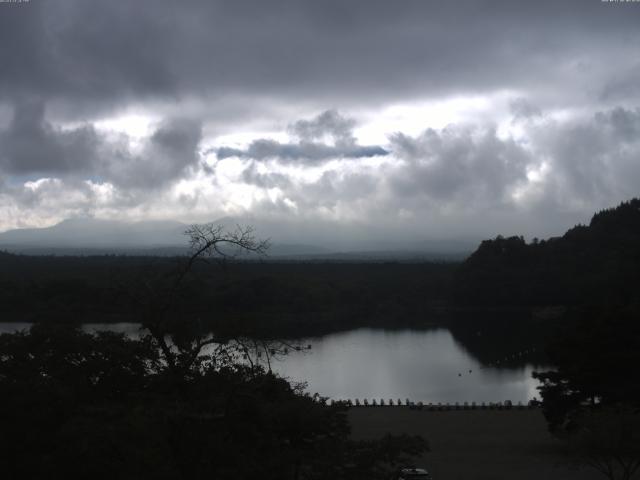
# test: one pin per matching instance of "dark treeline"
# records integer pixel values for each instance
(591, 275)
(265, 297)
(79, 405)
(510, 294)
(180, 401)
(589, 265)
(580, 294)
(598, 263)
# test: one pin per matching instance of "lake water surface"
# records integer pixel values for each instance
(422, 365)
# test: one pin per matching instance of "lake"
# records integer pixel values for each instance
(422, 365)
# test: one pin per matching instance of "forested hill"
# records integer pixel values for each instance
(598, 263)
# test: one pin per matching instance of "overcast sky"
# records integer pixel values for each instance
(429, 119)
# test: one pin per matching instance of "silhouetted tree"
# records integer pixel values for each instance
(592, 399)
(606, 439)
(175, 403)
(179, 340)
(599, 262)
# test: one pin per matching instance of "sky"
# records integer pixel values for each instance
(409, 118)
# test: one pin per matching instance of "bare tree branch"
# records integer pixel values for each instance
(206, 241)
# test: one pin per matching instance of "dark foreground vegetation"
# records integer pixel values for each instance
(180, 402)
(588, 284)
(591, 275)
(597, 263)
(594, 264)
(74, 405)
(187, 399)
(591, 400)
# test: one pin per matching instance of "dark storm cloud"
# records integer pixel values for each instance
(252, 176)
(32, 147)
(83, 50)
(41, 196)
(458, 164)
(335, 187)
(328, 124)
(595, 159)
(65, 64)
(101, 54)
(582, 165)
(521, 108)
(470, 178)
(167, 156)
(302, 152)
(623, 84)
(331, 192)
(325, 137)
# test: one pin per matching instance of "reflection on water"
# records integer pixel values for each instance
(428, 366)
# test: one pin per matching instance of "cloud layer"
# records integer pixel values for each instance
(101, 53)
(268, 108)
(325, 137)
(31, 146)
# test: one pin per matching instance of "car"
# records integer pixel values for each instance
(413, 474)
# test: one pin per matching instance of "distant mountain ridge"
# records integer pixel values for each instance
(94, 233)
(99, 237)
(289, 239)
